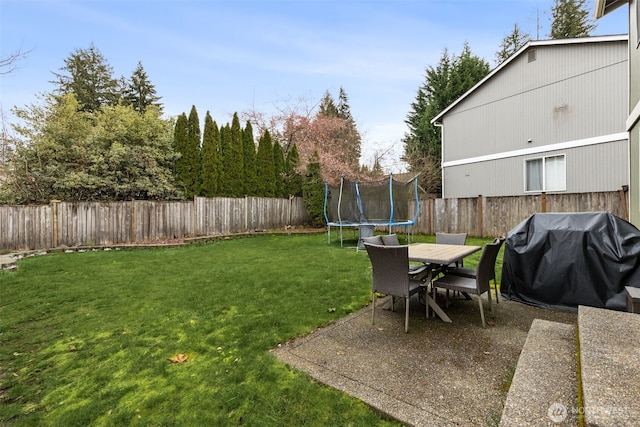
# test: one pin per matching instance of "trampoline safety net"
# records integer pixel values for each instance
(383, 202)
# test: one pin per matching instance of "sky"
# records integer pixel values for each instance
(226, 56)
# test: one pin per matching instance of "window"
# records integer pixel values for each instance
(545, 174)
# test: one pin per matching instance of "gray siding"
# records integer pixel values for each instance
(634, 110)
(570, 92)
(594, 168)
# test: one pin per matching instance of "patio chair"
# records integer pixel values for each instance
(449, 239)
(416, 271)
(474, 285)
(452, 239)
(472, 272)
(390, 276)
(374, 240)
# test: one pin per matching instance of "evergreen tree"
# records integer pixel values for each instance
(249, 148)
(348, 136)
(112, 154)
(210, 157)
(278, 170)
(139, 92)
(88, 76)
(511, 44)
(265, 169)
(570, 19)
(445, 83)
(225, 188)
(234, 161)
(313, 191)
(328, 106)
(192, 155)
(293, 179)
(180, 140)
(343, 110)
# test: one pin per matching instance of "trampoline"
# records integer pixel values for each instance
(382, 203)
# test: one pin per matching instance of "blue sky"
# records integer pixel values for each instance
(230, 56)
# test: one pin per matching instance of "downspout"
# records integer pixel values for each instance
(391, 201)
(439, 124)
(415, 193)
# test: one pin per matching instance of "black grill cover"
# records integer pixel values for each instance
(562, 260)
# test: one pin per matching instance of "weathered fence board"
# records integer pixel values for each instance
(100, 223)
(495, 216)
(25, 227)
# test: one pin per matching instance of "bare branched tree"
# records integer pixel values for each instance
(10, 63)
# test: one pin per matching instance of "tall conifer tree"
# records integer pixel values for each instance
(180, 138)
(570, 19)
(235, 170)
(192, 155)
(278, 170)
(451, 78)
(225, 154)
(210, 157)
(351, 145)
(293, 179)
(88, 75)
(511, 44)
(313, 190)
(139, 92)
(249, 149)
(264, 166)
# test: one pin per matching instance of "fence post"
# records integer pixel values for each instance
(54, 228)
(480, 216)
(132, 236)
(194, 228)
(430, 203)
(246, 214)
(291, 196)
(623, 201)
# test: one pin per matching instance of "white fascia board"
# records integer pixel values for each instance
(602, 7)
(537, 150)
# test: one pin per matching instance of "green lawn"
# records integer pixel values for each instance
(85, 337)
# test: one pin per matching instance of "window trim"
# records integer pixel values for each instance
(544, 174)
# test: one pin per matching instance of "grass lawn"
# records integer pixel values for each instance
(85, 337)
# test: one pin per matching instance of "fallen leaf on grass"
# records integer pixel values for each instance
(178, 359)
(491, 323)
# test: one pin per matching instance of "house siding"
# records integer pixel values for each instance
(584, 166)
(559, 97)
(634, 106)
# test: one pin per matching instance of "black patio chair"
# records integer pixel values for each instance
(390, 276)
(473, 272)
(474, 285)
(416, 271)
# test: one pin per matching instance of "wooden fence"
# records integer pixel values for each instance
(97, 223)
(495, 216)
(93, 223)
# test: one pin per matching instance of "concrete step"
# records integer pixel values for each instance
(543, 391)
(610, 366)
(8, 262)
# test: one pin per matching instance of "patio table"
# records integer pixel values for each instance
(440, 255)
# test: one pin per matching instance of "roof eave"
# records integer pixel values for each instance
(602, 7)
